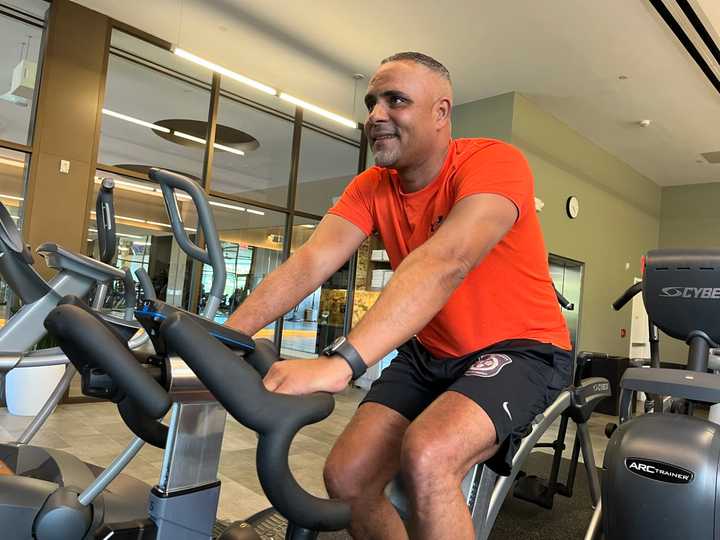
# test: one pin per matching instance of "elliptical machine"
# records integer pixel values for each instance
(661, 470)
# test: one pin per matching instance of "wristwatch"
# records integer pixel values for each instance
(342, 347)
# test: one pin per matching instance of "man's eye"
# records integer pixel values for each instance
(396, 100)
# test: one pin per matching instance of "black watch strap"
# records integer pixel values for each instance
(344, 348)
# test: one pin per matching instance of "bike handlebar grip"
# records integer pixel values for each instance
(145, 284)
(276, 417)
(105, 219)
(149, 430)
(631, 291)
(85, 340)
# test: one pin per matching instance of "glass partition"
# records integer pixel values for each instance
(327, 165)
(256, 162)
(20, 44)
(144, 239)
(13, 166)
(252, 240)
(153, 116)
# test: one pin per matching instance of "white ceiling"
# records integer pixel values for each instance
(565, 55)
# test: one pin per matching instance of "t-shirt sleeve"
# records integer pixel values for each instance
(355, 203)
(501, 169)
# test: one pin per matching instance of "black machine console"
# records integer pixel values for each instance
(152, 313)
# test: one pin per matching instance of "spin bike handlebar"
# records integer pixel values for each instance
(87, 341)
(237, 384)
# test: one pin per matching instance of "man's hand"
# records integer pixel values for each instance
(324, 374)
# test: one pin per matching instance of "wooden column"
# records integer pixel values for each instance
(67, 127)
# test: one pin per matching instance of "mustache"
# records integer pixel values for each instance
(375, 133)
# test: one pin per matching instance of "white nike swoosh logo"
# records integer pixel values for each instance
(507, 409)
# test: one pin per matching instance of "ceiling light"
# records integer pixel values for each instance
(190, 229)
(203, 142)
(135, 120)
(12, 162)
(124, 235)
(139, 188)
(188, 137)
(224, 71)
(11, 197)
(258, 212)
(317, 110)
(158, 224)
(228, 206)
(229, 149)
(308, 226)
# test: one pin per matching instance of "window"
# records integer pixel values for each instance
(327, 165)
(262, 173)
(20, 42)
(12, 181)
(153, 116)
(144, 239)
(252, 240)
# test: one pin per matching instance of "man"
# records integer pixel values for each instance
(471, 283)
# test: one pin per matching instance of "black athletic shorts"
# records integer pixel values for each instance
(513, 381)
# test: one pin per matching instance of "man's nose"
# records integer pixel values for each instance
(377, 114)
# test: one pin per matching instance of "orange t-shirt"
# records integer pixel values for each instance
(509, 295)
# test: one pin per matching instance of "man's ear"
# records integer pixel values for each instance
(442, 110)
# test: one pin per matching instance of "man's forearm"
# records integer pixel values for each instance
(277, 294)
(419, 289)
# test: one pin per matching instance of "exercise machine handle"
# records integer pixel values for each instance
(628, 295)
(212, 255)
(275, 417)
(105, 219)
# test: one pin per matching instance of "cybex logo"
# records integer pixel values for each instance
(601, 387)
(690, 292)
(657, 470)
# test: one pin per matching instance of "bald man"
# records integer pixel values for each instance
(482, 345)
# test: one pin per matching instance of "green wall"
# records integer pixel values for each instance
(619, 216)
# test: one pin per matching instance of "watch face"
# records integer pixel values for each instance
(335, 345)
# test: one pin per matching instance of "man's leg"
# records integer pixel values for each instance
(439, 448)
(362, 462)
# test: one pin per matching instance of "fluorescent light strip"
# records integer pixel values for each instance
(317, 110)
(158, 224)
(139, 188)
(224, 71)
(12, 162)
(308, 226)
(11, 197)
(188, 137)
(229, 149)
(258, 212)
(135, 120)
(264, 88)
(228, 206)
(121, 234)
(203, 141)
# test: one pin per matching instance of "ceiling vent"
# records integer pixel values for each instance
(696, 32)
(712, 157)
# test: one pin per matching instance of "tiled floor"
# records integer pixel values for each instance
(95, 433)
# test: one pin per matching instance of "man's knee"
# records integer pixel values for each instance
(429, 462)
(350, 476)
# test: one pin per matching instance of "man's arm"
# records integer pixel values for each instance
(424, 282)
(332, 243)
(419, 289)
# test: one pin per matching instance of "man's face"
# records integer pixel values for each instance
(403, 121)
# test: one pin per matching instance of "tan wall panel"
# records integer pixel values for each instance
(67, 126)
